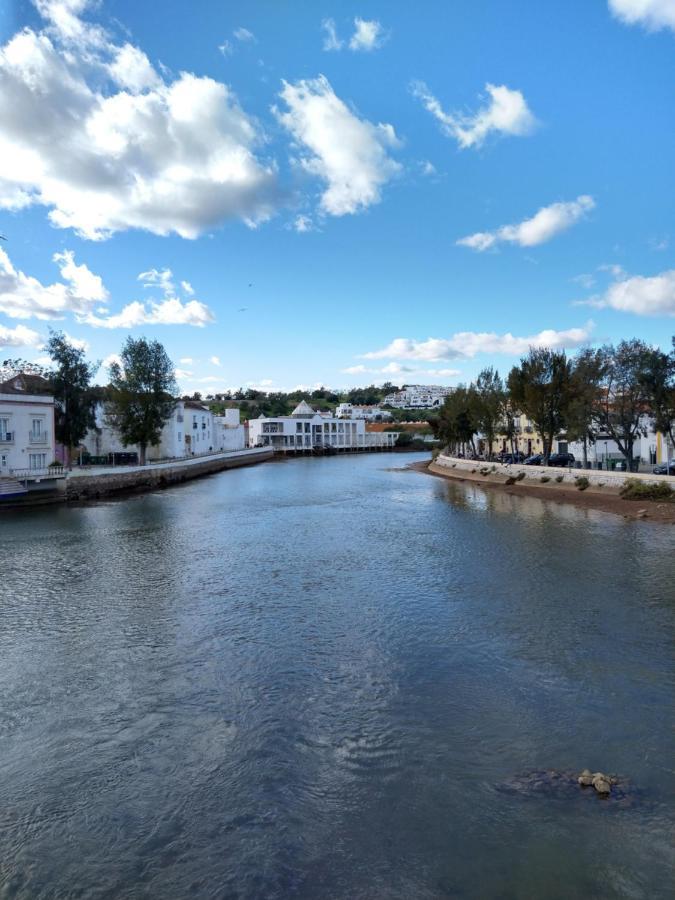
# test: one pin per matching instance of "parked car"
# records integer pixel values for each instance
(561, 459)
(536, 460)
(620, 465)
(666, 468)
(510, 458)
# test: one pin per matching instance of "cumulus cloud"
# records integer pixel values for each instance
(24, 296)
(643, 296)
(368, 35)
(651, 14)
(347, 152)
(101, 139)
(506, 112)
(165, 312)
(467, 344)
(172, 310)
(548, 222)
(19, 337)
(302, 224)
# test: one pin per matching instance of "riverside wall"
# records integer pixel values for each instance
(92, 484)
(471, 470)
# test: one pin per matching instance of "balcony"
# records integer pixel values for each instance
(7, 437)
(38, 438)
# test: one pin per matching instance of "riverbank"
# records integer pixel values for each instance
(602, 493)
(95, 483)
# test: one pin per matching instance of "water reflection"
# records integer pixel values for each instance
(307, 679)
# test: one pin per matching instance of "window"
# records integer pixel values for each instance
(37, 427)
(37, 460)
(180, 437)
(4, 429)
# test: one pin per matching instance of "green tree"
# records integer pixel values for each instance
(74, 399)
(488, 404)
(585, 387)
(142, 393)
(622, 399)
(658, 379)
(540, 387)
(456, 424)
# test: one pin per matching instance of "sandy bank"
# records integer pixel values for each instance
(602, 496)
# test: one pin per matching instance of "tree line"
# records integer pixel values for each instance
(613, 391)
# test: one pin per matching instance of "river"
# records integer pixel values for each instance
(309, 678)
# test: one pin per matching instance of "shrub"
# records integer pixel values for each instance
(484, 470)
(472, 471)
(520, 476)
(634, 489)
(545, 478)
(582, 482)
(559, 478)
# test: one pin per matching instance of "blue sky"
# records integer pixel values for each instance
(307, 169)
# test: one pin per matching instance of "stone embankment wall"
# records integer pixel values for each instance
(472, 470)
(92, 484)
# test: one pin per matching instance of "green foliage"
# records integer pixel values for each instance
(541, 387)
(74, 399)
(582, 482)
(658, 379)
(487, 399)
(404, 439)
(456, 424)
(545, 478)
(559, 478)
(634, 489)
(142, 389)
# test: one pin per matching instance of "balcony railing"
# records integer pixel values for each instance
(37, 437)
(7, 438)
(46, 472)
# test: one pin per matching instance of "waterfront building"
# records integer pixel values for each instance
(418, 396)
(371, 413)
(27, 440)
(306, 431)
(192, 430)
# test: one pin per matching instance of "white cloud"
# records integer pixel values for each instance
(586, 280)
(226, 48)
(244, 35)
(186, 360)
(172, 311)
(506, 113)
(643, 296)
(427, 168)
(131, 70)
(302, 224)
(331, 41)
(368, 35)
(19, 337)
(349, 153)
(548, 222)
(651, 14)
(394, 368)
(467, 344)
(187, 288)
(133, 150)
(23, 296)
(110, 359)
(216, 361)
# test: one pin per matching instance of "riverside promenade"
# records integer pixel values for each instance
(91, 483)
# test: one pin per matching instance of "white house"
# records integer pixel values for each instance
(27, 439)
(191, 430)
(305, 430)
(417, 396)
(648, 449)
(369, 413)
(229, 432)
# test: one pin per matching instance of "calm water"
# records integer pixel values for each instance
(307, 679)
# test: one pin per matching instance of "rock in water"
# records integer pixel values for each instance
(586, 778)
(601, 783)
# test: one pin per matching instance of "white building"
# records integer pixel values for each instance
(27, 439)
(369, 413)
(192, 430)
(417, 396)
(305, 430)
(648, 449)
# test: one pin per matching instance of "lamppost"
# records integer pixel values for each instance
(606, 459)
